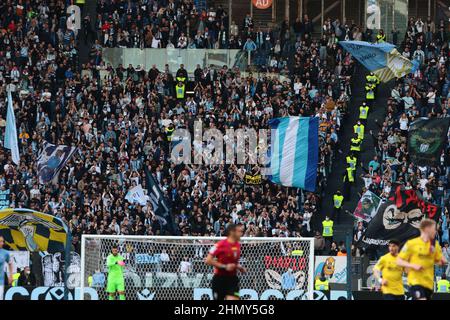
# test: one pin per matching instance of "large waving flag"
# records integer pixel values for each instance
(11, 131)
(26, 229)
(382, 59)
(51, 160)
(295, 151)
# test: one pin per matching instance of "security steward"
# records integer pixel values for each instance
(370, 93)
(363, 113)
(351, 160)
(26, 278)
(381, 37)
(327, 231)
(358, 128)
(349, 181)
(338, 198)
(322, 283)
(15, 278)
(443, 285)
(169, 132)
(371, 78)
(355, 145)
(180, 90)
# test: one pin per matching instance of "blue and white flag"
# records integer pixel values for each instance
(11, 132)
(295, 151)
(382, 59)
(51, 160)
(137, 195)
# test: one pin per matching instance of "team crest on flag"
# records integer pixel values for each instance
(51, 160)
(295, 152)
(426, 140)
(26, 229)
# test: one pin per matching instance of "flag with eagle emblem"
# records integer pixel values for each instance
(26, 229)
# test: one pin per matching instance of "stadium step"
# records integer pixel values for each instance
(334, 182)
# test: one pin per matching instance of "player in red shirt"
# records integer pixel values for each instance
(224, 257)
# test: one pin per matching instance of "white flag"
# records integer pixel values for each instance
(137, 194)
(11, 132)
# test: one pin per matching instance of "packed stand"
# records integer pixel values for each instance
(156, 24)
(119, 126)
(422, 94)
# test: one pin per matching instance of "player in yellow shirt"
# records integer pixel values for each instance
(419, 255)
(389, 273)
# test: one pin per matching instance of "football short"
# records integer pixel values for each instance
(115, 285)
(223, 286)
(419, 292)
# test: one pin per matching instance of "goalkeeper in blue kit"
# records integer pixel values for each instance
(116, 282)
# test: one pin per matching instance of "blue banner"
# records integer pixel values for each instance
(295, 151)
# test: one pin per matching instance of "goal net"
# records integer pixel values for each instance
(173, 268)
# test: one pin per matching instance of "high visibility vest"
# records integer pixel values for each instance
(182, 79)
(327, 228)
(180, 91)
(15, 279)
(376, 80)
(90, 280)
(169, 133)
(381, 37)
(80, 1)
(351, 161)
(372, 79)
(337, 199)
(359, 130)
(443, 285)
(349, 175)
(363, 112)
(356, 144)
(370, 94)
(321, 285)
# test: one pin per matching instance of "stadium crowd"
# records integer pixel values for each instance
(424, 93)
(121, 125)
(157, 24)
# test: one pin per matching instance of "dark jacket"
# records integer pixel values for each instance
(26, 280)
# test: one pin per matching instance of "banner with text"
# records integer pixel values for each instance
(399, 217)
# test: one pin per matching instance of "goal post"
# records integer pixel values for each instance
(173, 268)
